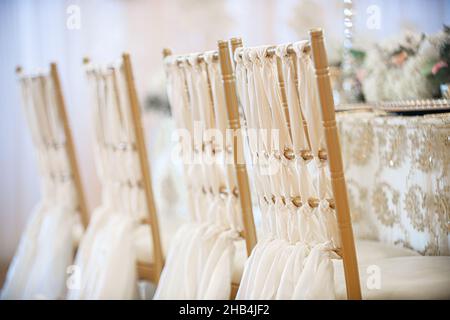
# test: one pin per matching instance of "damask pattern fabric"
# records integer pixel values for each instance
(46, 248)
(293, 258)
(404, 198)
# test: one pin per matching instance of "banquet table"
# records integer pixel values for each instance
(398, 177)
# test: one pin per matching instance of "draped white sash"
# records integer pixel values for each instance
(107, 255)
(46, 248)
(200, 261)
(293, 259)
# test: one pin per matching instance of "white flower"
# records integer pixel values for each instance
(387, 81)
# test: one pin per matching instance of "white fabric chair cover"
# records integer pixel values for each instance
(46, 248)
(107, 255)
(293, 258)
(200, 261)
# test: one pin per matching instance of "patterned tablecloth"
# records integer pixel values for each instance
(398, 177)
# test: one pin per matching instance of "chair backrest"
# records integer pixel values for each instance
(280, 89)
(45, 109)
(335, 162)
(122, 158)
(207, 96)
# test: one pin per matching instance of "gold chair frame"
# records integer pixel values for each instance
(69, 145)
(333, 153)
(231, 100)
(146, 271)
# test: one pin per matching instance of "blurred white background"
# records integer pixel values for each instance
(35, 32)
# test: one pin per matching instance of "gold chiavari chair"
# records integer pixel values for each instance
(134, 141)
(64, 142)
(236, 184)
(52, 234)
(332, 154)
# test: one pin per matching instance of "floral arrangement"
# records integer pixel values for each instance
(438, 71)
(412, 67)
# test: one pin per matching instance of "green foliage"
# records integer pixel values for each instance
(358, 55)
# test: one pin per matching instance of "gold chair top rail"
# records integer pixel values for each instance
(271, 51)
(184, 58)
(101, 68)
(39, 73)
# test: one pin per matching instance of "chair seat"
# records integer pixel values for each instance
(405, 274)
(144, 243)
(369, 250)
(408, 277)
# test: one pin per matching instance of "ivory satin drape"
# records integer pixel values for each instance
(293, 258)
(107, 255)
(200, 261)
(46, 248)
